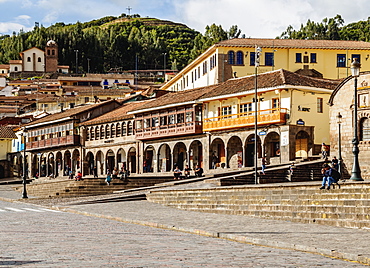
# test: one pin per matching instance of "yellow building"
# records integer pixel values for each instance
(235, 58)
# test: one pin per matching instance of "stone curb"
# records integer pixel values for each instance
(237, 238)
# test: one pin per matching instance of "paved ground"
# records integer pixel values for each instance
(351, 244)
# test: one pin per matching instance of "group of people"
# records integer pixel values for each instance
(330, 172)
(198, 172)
(111, 175)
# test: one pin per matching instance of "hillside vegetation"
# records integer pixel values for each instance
(122, 43)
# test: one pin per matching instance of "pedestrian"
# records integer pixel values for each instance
(335, 163)
(291, 168)
(115, 173)
(198, 171)
(177, 173)
(324, 150)
(78, 176)
(187, 171)
(263, 165)
(95, 171)
(109, 177)
(326, 171)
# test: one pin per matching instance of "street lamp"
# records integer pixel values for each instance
(76, 50)
(256, 64)
(24, 193)
(339, 117)
(356, 172)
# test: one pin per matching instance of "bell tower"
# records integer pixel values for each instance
(51, 57)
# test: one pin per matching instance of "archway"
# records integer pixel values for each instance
(235, 153)
(43, 164)
(89, 169)
(196, 154)
(301, 144)
(149, 159)
(121, 159)
(164, 157)
(50, 165)
(249, 150)
(100, 163)
(110, 160)
(34, 166)
(76, 161)
(272, 145)
(58, 163)
(132, 160)
(217, 157)
(179, 155)
(67, 163)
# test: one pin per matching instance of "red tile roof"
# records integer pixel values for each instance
(294, 43)
(7, 133)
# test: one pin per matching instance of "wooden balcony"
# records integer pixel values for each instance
(53, 142)
(264, 117)
(169, 130)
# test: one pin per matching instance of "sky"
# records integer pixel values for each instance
(255, 18)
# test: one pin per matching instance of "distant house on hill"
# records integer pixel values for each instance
(36, 60)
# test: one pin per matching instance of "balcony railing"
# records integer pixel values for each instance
(169, 130)
(264, 117)
(54, 142)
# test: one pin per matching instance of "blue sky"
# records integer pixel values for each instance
(256, 18)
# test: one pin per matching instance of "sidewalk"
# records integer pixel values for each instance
(343, 243)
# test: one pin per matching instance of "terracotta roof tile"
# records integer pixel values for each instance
(7, 133)
(269, 80)
(116, 115)
(294, 43)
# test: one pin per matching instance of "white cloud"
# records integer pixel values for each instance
(9, 27)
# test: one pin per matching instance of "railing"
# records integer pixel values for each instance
(264, 117)
(169, 130)
(54, 142)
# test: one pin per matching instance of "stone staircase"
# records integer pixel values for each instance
(89, 186)
(348, 206)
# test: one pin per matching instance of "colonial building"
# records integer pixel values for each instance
(236, 58)
(6, 137)
(342, 103)
(55, 144)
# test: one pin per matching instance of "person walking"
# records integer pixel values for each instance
(95, 171)
(263, 165)
(324, 150)
(109, 177)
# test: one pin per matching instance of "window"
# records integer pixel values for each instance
(124, 129)
(180, 118)
(189, 116)
(226, 110)
(198, 71)
(53, 52)
(320, 105)
(298, 57)
(97, 132)
(252, 58)
(16, 69)
(155, 122)
(245, 108)
(365, 129)
(28, 59)
(313, 58)
(231, 57)
(163, 120)
(113, 130)
(341, 60)
(269, 59)
(38, 59)
(139, 124)
(305, 59)
(239, 58)
(107, 132)
(356, 56)
(195, 75)
(102, 132)
(205, 67)
(171, 119)
(130, 129)
(275, 103)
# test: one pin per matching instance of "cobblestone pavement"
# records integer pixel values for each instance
(32, 237)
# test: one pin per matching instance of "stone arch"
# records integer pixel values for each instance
(195, 154)
(89, 168)
(249, 150)
(164, 158)
(43, 164)
(58, 163)
(217, 155)
(234, 153)
(302, 144)
(67, 163)
(272, 145)
(100, 162)
(110, 160)
(76, 161)
(131, 160)
(149, 159)
(180, 155)
(121, 158)
(50, 167)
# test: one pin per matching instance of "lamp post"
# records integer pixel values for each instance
(76, 50)
(356, 172)
(256, 64)
(339, 117)
(24, 193)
